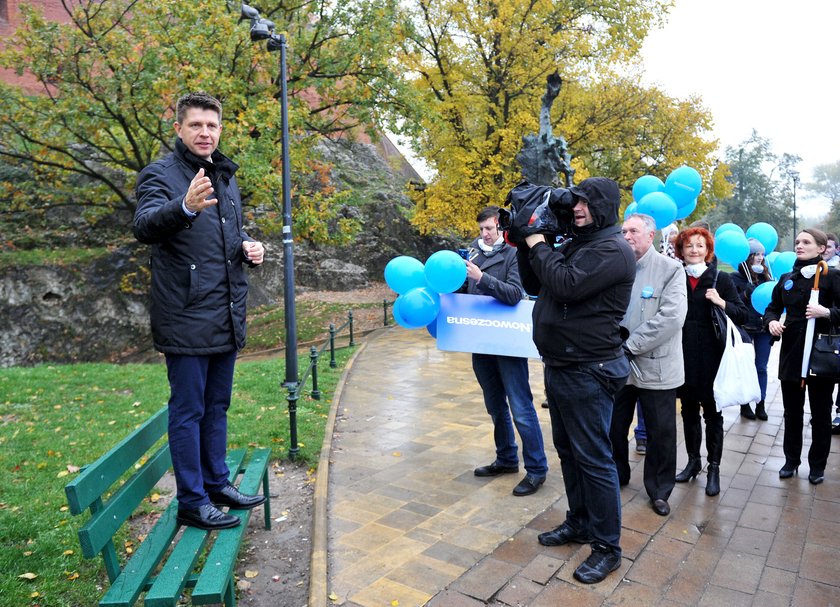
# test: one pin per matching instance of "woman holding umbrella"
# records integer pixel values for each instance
(702, 350)
(792, 293)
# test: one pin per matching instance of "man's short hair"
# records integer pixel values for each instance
(701, 223)
(488, 212)
(832, 236)
(198, 99)
(650, 222)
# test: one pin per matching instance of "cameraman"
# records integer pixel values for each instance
(584, 289)
(492, 270)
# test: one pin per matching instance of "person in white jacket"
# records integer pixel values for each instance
(653, 325)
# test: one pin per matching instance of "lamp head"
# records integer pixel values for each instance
(261, 29)
(248, 12)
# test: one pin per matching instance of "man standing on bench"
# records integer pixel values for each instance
(189, 211)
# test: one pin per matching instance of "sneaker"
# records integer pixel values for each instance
(641, 445)
(597, 566)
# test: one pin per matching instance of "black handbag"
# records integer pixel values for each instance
(825, 356)
(719, 322)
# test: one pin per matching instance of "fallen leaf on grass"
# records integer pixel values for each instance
(35, 595)
(28, 576)
(62, 473)
(154, 497)
(71, 575)
(67, 552)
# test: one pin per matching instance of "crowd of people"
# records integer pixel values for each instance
(626, 330)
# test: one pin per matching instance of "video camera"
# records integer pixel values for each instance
(536, 209)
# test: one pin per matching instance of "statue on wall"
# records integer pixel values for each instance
(544, 157)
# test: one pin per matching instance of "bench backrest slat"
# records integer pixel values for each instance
(97, 478)
(103, 524)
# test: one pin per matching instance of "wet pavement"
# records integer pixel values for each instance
(402, 521)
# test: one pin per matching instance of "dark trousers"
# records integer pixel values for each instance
(580, 401)
(793, 398)
(659, 408)
(690, 412)
(200, 390)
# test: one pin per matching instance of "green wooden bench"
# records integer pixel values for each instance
(160, 567)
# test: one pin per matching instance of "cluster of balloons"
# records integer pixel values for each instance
(666, 202)
(731, 246)
(419, 286)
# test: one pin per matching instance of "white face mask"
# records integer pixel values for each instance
(758, 268)
(695, 270)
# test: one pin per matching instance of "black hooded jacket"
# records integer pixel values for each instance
(584, 285)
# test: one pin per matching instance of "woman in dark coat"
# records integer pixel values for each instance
(702, 350)
(750, 274)
(792, 294)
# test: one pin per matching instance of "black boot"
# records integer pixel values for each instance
(760, 413)
(713, 480)
(693, 439)
(691, 470)
(747, 412)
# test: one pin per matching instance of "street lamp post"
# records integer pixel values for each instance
(794, 176)
(263, 29)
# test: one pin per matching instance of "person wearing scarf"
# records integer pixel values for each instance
(492, 270)
(790, 297)
(750, 273)
(702, 351)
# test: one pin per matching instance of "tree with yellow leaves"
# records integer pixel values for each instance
(481, 66)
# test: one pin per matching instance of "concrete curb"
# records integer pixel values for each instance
(318, 589)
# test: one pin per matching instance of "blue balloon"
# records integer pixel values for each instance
(445, 271)
(765, 234)
(761, 296)
(631, 208)
(686, 210)
(419, 307)
(683, 185)
(432, 328)
(727, 227)
(646, 184)
(732, 247)
(404, 273)
(782, 263)
(660, 206)
(395, 309)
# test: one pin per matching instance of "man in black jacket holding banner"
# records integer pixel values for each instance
(584, 289)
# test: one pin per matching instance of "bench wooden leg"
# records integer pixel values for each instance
(230, 594)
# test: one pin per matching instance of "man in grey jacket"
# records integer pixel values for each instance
(653, 323)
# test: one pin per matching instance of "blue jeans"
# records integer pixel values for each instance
(580, 400)
(762, 343)
(640, 431)
(504, 382)
(200, 390)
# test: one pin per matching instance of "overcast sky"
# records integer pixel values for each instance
(758, 64)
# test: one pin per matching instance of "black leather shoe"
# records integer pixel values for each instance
(528, 485)
(747, 412)
(661, 507)
(788, 470)
(230, 496)
(815, 478)
(208, 517)
(597, 566)
(760, 411)
(563, 535)
(495, 469)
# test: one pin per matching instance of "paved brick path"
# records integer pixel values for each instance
(407, 522)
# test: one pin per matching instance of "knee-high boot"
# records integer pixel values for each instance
(693, 439)
(714, 445)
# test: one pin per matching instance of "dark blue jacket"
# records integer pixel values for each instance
(199, 285)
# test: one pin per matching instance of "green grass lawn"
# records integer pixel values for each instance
(57, 418)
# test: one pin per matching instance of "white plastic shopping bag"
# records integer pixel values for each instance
(736, 382)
